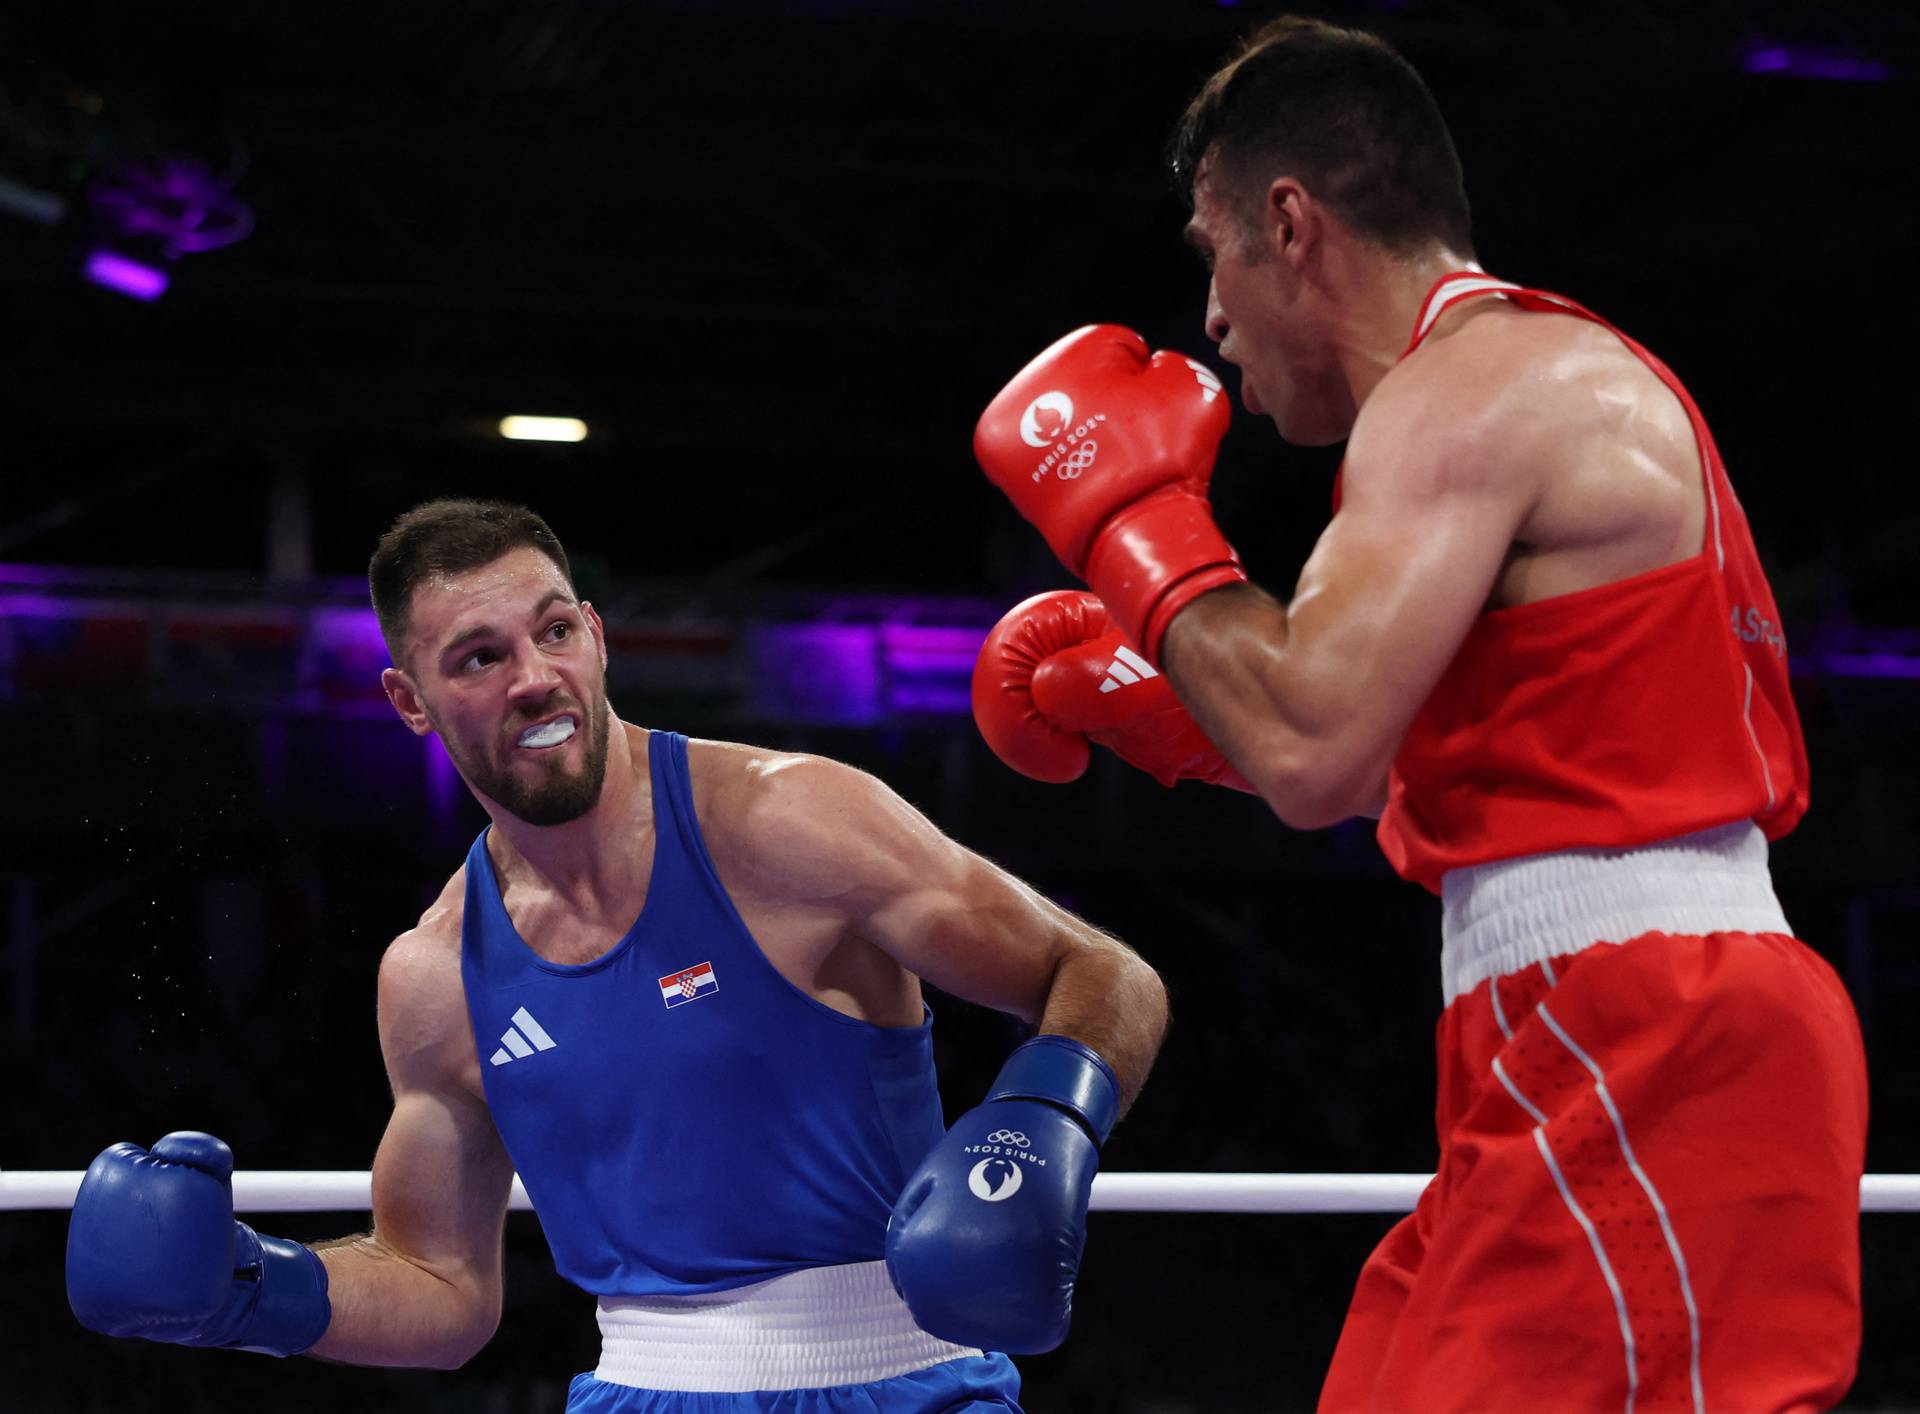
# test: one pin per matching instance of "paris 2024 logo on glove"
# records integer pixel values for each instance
(1048, 422)
(997, 1177)
(1046, 419)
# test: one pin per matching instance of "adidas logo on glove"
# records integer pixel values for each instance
(1127, 667)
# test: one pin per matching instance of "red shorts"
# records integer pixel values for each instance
(1648, 1194)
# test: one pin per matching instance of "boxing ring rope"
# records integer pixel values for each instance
(346, 1190)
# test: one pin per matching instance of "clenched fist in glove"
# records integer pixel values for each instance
(153, 1251)
(985, 1241)
(1108, 449)
(1056, 674)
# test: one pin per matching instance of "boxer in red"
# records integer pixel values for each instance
(1536, 643)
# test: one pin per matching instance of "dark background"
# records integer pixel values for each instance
(778, 256)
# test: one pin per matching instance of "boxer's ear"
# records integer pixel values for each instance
(405, 697)
(598, 629)
(1292, 221)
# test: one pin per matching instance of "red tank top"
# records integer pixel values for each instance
(1611, 717)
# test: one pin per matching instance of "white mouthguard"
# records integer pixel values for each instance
(550, 734)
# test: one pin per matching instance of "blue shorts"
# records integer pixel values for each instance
(974, 1384)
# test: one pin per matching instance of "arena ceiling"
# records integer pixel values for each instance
(777, 256)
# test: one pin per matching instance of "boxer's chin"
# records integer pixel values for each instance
(556, 802)
(1301, 423)
(556, 796)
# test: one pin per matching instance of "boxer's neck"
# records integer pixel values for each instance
(1375, 297)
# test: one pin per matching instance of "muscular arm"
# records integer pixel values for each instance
(838, 839)
(424, 1287)
(1310, 699)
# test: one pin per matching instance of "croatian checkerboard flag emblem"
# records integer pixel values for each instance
(679, 988)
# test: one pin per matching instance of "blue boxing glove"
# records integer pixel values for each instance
(153, 1251)
(984, 1244)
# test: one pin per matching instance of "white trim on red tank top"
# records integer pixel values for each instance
(1459, 285)
(1470, 282)
(1746, 713)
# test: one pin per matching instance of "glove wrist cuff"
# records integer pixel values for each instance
(1154, 557)
(291, 1310)
(1061, 1071)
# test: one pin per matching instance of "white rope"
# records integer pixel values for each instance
(327, 1191)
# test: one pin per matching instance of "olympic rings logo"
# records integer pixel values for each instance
(1079, 460)
(1009, 1136)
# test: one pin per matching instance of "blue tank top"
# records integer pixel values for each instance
(683, 1117)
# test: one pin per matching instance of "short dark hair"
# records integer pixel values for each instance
(443, 537)
(1341, 110)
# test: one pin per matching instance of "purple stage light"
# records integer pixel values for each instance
(33, 574)
(1847, 650)
(26, 592)
(28, 607)
(341, 658)
(860, 674)
(928, 648)
(178, 202)
(443, 785)
(930, 701)
(1806, 62)
(817, 672)
(929, 668)
(1868, 665)
(127, 277)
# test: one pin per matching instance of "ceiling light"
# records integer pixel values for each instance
(128, 277)
(543, 429)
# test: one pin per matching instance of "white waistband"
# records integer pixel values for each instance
(817, 1327)
(1498, 918)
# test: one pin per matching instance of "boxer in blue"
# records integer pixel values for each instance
(676, 987)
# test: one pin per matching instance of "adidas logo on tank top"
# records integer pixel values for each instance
(522, 1039)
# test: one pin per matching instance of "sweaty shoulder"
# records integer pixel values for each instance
(1555, 418)
(424, 1031)
(1489, 379)
(782, 826)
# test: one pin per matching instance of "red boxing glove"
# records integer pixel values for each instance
(1108, 451)
(1055, 674)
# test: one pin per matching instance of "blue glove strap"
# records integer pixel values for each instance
(1061, 1071)
(286, 1310)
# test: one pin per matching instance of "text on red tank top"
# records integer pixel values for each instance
(1611, 717)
